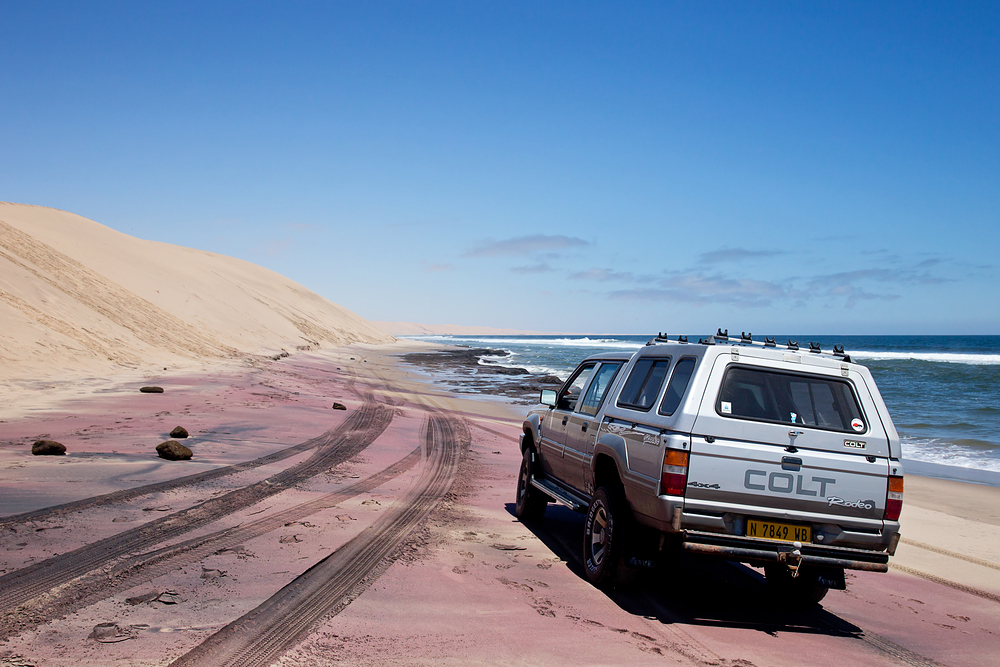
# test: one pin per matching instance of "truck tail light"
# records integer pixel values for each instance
(894, 499)
(674, 477)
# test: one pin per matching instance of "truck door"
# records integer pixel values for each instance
(582, 425)
(556, 421)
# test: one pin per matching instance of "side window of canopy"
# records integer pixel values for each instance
(677, 385)
(644, 383)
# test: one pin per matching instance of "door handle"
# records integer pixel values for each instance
(792, 463)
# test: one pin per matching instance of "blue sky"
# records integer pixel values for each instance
(618, 167)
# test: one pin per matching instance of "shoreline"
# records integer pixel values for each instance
(951, 473)
(453, 368)
(942, 394)
(464, 370)
(461, 370)
(465, 377)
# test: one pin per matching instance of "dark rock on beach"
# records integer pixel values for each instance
(151, 390)
(179, 432)
(339, 406)
(505, 370)
(48, 448)
(460, 355)
(172, 450)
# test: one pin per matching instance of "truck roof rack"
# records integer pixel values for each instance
(746, 338)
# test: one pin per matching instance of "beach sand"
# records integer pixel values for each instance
(380, 533)
(465, 584)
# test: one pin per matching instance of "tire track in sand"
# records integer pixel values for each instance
(986, 595)
(179, 482)
(187, 480)
(262, 635)
(356, 432)
(139, 569)
(950, 554)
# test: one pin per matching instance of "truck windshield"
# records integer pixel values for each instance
(787, 398)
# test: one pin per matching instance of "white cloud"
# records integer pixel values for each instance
(541, 267)
(525, 245)
(723, 255)
(603, 275)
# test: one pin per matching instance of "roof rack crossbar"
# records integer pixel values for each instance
(746, 338)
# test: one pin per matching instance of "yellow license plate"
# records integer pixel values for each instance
(769, 530)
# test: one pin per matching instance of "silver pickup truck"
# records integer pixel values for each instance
(752, 451)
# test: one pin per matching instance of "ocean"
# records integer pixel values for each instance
(943, 392)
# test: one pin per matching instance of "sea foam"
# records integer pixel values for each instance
(940, 357)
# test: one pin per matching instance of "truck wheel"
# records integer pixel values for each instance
(803, 590)
(604, 538)
(530, 503)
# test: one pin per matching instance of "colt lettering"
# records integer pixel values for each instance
(783, 482)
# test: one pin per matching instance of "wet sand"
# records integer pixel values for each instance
(401, 508)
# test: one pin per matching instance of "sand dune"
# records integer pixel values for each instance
(76, 296)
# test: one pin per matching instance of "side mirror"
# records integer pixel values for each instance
(548, 397)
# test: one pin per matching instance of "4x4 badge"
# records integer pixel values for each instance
(855, 444)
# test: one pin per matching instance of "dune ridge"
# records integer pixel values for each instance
(77, 296)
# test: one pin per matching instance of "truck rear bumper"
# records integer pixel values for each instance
(756, 551)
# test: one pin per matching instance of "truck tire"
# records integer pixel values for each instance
(604, 537)
(530, 503)
(802, 591)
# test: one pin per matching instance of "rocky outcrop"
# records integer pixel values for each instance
(179, 432)
(505, 370)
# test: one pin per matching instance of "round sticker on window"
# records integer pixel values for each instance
(858, 425)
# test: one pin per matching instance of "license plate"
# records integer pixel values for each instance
(769, 530)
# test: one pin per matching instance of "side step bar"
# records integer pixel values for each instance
(564, 496)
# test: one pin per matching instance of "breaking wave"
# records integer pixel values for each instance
(939, 357)
(584, 341)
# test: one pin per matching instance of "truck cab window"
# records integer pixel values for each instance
(598, 388)
(570, 392)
